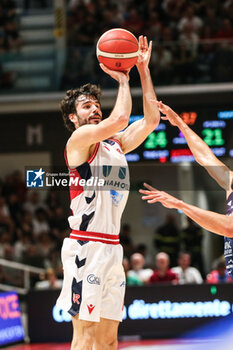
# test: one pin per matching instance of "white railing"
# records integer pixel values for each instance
(27, 269)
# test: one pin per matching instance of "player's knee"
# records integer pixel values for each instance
(89, 334)
(108, 342)
(83, 337)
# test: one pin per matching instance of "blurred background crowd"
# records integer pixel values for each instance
(9, 38)
(32, 231)
(192, 40)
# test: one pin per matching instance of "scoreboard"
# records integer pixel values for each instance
(167, 143)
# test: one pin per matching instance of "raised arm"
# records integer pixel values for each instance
(137, 132)
(201, 152)
(90, 134)
(211, 221)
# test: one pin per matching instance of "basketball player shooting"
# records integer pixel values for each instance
(211, 221)
(94, 280)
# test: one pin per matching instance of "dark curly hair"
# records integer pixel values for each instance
(67, 105)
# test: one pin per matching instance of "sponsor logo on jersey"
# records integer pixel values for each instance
(76, 298)
(122, 173)
(92, 279)
(116, 197)
(35, 178)
(118, 184)
(90, 308)
(123, 284)
(107, 170)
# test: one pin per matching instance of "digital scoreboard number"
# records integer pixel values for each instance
(167, 143)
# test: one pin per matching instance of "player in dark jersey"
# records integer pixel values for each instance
(211, 221)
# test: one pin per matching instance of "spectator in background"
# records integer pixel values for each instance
(33, 202)
(191, 241)
(21, 246)
(45, 245)
(185, 70)
(134, 22)
(6, 242)
(186, 273)
(189, 38)
(168, 38)
(223, 69)
(205, 58)
(6, 222)
(59, 222)
(220, 274)
(52, 202)
(190, 18)
(153, 27)
(32, 257)
(109, 21)
(167, 239)
(126, 240)
(199, 6)
(226, 30)
(130, 280)
(142, 249)
(174, 9)
(40, 222)
(88, 30)
(161, 64)
(138, 271)
(212, 21)
(162, 273)
(26, 225)
(50, 281)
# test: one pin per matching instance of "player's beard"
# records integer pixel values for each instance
(82, 122)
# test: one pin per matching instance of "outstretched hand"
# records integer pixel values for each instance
(152, 195)
(117, 75)
(144, 52)
(170, 115)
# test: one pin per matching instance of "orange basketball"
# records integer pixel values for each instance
(117, 49)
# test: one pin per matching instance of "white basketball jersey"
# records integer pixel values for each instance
(97, 202)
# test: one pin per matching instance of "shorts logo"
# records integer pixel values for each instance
(123, 284)
(227, 245)
(76, 298)
(92, 279)
(35, 178)
(90, 308)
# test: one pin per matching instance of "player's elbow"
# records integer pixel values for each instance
(151, 124)
(122, 122)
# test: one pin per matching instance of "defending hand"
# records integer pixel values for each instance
(152, 195)
(170, 115)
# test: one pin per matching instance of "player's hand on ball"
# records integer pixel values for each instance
(152, 195)
(117, 75)
(144, 52)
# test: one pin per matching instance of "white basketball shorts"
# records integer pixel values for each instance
(94, 280)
